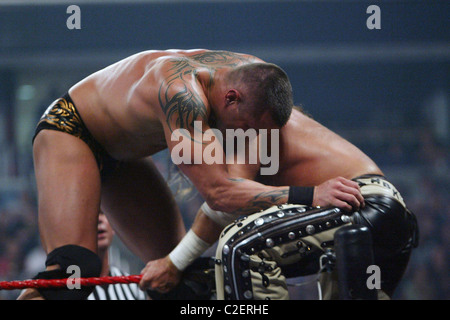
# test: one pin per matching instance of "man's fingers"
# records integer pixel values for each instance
(150, 284)
(340, 192)
(349, 183)
(161, 287)
(146, 279)
(155, 277)
(144, 283)
(350, 199)
(352, 188)
(343, 205)
(165, 288)
(356, 195)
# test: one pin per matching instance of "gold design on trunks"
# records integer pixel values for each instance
(63, 115)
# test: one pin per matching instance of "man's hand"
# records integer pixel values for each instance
(160, 275)
(339, 192)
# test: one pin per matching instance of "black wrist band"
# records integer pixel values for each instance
(301, 195)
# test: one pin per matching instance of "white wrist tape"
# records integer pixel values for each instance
(190, 248)
(221, 218)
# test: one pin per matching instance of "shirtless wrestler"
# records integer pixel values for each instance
(93, 145)
(333, 171)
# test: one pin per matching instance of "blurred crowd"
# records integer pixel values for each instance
(21, 255)
(427, 276)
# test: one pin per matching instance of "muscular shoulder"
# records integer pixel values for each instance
(202, 58)
(182, 66)
(181, 78)
(181, 96)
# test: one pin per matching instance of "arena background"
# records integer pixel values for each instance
(385, 90)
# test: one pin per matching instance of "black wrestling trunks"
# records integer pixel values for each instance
(63, 116)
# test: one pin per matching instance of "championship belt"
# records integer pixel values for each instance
(257, 252)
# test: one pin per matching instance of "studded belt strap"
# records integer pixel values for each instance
(274, 227)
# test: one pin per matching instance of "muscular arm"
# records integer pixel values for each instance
(163, 274)
(183, 102)
(205, 228)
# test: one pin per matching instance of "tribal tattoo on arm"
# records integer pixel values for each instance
(181, 104)
(263, 200)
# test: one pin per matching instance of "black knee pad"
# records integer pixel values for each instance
(89, 265)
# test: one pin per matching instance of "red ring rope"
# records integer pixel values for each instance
(57, 283)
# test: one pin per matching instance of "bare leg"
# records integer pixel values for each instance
(142, 210)
(68, 183)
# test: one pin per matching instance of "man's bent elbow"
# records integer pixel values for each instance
(214, 201)
(217, 201)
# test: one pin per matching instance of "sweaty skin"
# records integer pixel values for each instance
(124, 105)
(133, 106)
(310, 155)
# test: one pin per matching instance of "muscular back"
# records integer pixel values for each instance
(127, 105)
(311, 154)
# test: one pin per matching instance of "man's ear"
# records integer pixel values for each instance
(232, 96)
